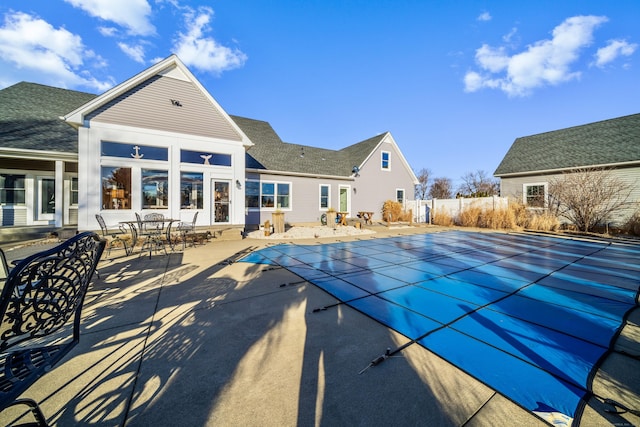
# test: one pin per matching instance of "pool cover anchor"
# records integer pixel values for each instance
(378, 360)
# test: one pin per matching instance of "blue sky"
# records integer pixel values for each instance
(455, 82)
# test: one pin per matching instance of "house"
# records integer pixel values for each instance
(533, 161)
(159, 142)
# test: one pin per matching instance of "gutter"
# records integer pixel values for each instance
(20, 153)
(300, 174)
(573, 168)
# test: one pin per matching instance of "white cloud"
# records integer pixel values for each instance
(613, 50)
(32, 45)
(546, 62)
(108, 31)
(484, 16)
(196, 49)
(509, 36)
(134, 52)
(130, 14)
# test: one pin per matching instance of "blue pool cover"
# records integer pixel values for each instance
(530, 316)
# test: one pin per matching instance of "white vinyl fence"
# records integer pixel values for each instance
(423, 210)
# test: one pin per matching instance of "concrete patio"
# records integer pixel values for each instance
(195, 339)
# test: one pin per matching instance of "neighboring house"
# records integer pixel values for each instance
(160, 142)
(533, 161)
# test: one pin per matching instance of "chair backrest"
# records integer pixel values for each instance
(195, 217)
(4, 268)
(103, 225)
(46, 289)
(139, 220)
(154, 216)
(154, 221)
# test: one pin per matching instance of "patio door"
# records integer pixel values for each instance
(220, 198)
(344, 199)
(46, 198)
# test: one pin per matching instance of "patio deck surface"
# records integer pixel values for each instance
(192, 339)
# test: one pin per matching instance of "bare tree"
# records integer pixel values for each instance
(422, 187)
(478, 184)
(587, 197)
(441, 188)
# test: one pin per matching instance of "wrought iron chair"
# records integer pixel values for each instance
(186, 228)
(42, 298)
(4, 268)
(115, 235)
(151, 229)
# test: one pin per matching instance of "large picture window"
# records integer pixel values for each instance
(191, 195)
(155, 189)
(535, 195)
(267, 194)
(12, 191)
(116, 188)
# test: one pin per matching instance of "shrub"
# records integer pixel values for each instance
(543, 222)
(520, 213)
(471, 216)
(393, 212)
(442, 217)
(499, 219)
(632, 226)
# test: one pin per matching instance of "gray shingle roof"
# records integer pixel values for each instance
(30, 117)
(606, 142)
(271, 153)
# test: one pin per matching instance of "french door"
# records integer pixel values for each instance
(220, 198)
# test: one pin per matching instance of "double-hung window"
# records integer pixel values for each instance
(535, 195)
(12, 189)
(386, 161)
(74, 192)
(324, 196)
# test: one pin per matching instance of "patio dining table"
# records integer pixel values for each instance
(165, 229)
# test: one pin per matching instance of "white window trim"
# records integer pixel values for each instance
(404, 195)
(381, 160)
(535, 184)
(275, 202)
(320, 197)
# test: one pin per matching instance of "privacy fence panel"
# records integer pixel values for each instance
(423, 210)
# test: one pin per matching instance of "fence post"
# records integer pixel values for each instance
(433, 210)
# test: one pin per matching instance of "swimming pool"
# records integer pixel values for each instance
(531, 316)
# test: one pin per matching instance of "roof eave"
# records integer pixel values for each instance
(568, 169)
(300, 174)
(21, 153)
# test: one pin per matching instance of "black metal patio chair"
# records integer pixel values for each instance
(187, 229)
(4, 268)
(115, 235)
(40, 308)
